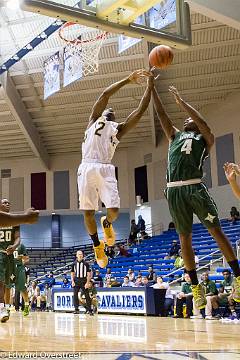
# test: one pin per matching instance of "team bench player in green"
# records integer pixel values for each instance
(9, 242)
(18, 278)
(186, 194)
(20, 259)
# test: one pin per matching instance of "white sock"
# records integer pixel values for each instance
(7, 306)
(26, 303)
(1, 306)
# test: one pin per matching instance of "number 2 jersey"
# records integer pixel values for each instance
(100, 141)
(7, 236)
(186, 155)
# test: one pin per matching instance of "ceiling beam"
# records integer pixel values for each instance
(226, 12)
(23, 119)
(116, 76)
(84, 92)
(130, 58)
(166, 81)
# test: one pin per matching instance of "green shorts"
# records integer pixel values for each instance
(7, 275)
(184, 201)
(21, 279)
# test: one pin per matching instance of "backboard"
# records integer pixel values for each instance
(166, 21)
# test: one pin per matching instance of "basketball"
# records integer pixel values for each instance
(161, 56)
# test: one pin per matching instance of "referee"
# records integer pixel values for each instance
(81, 277)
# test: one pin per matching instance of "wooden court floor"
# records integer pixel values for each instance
(46, 335)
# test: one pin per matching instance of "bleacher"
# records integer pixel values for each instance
(42, 261)
(150, 252)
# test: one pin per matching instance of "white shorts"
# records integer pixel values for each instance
(97, 181)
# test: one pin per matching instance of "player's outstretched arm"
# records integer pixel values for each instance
(195, 116)
(136, 115)
(164, 119)
(230, 171)
(29, 217)
(102, 101)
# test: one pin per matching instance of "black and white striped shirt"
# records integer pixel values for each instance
(80, 268)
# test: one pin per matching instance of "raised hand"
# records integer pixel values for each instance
(231, 170)
(10, 249)
(152, 70)
(175, 93)
(31, 215)
(150, 81)
(137, 76)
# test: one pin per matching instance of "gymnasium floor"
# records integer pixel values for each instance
(58, 335)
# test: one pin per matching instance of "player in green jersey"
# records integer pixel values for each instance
(186, 194)
(20, 259)
(9, 241)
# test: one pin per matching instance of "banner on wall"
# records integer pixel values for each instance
(127, 301)
(72, 66)
(51, 73)
(109, 301)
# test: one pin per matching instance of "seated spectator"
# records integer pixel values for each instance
(108, 274)
(224, 297)
(115, 283)
(145, 281)
(210, 290)
(179, 261)
(66, 283)
(132, 239)
(131, 274)
(112, 282)
(46, 298)
(93, 296)
(196, 261)
(127, 282)
(34, 296)
(209, 285)
(185, 297)
(98, 278)
(138, 282)
(108, 283)
(173, 253)
(123, 251)
(50, 279)
(171, 226)
(168, 303)
(151, 274)
(110, 252)
(234, 213)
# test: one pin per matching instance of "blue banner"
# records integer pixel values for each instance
(72, 66)
(51, 75)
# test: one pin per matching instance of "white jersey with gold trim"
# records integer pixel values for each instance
(100, 141)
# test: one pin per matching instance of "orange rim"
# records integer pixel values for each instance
(77, 41)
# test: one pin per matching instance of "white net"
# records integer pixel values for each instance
(84, 45)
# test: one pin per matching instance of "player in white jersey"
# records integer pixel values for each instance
(96, 174)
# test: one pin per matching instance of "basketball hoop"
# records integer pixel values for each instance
(83, 44)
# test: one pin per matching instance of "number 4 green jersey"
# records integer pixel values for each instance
(186, 155)
(7, 236)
